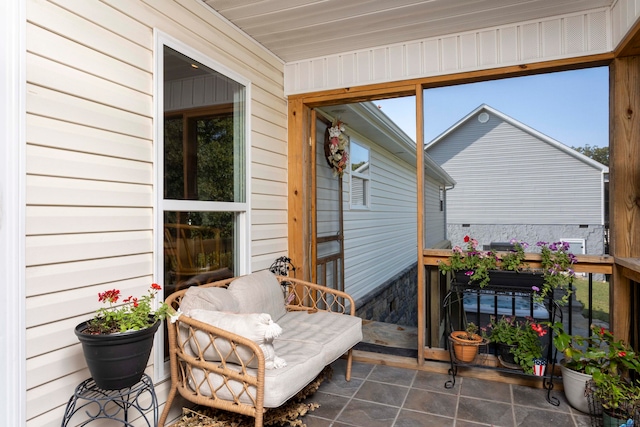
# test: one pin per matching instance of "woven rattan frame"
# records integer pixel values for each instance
(299, 294)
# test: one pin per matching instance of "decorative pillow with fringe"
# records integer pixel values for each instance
(258, 327)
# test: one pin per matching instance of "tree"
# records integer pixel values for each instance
(599, 154)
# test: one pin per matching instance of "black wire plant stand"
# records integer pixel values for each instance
(95, 403)
(466, 303)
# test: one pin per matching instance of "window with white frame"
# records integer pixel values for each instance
(360, 175)
(202, 168)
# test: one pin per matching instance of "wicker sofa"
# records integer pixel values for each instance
(250, 343)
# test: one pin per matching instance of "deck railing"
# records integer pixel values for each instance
(437, 285)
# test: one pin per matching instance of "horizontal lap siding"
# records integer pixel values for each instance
(90, 166)
(434, 228)
(381, 241)
(505, 175)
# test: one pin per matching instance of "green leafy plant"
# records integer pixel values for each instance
(471, 330)
(556, 265)
(612, 363)
(600, 352)
(523, 335)
(133, 314)
(474, 263)
(620, 396)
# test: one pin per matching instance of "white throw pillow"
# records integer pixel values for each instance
(258, 327)
(259, 292)
(212, 298)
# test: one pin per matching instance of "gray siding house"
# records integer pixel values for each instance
(515, 182)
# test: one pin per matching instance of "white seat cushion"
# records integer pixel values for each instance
(304, 363)
(335, 333)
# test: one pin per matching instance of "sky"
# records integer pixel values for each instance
(571, 107)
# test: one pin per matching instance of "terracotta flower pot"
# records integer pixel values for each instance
(465, 349)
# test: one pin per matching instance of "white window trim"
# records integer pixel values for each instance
(352, 174)
(161, 369)
(13, 392)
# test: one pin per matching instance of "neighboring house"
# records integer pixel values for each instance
(515, 182)
(379, 206)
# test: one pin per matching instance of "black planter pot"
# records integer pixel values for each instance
(503, 351)
(504, 280)
(117, 361)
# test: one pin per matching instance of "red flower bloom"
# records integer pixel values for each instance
(110, 296)
(155, 286)
(622, 353)
(466, 239)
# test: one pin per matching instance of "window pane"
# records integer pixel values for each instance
(173, 158)
(359, 159)
(204, 141)
(198, 248)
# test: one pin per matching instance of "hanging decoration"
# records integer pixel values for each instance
(335, 148)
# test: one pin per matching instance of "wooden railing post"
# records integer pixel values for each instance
(624, 155)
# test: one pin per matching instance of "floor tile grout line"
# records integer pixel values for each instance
(415, 374)
(513, 406)
(352, 396)
(458, 394)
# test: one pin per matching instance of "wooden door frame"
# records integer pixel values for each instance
(315, 240)
(300, 105)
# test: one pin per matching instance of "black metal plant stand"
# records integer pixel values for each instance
(454, 306)
(113, 404)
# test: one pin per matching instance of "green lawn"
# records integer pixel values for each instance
(600, 298)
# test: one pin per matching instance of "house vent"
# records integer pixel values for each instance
(483, 117)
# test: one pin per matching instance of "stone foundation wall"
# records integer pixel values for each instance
(395, 301)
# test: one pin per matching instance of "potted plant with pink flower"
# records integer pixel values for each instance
(117, 341)
(481, 268)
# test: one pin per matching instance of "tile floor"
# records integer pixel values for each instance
(383, 396)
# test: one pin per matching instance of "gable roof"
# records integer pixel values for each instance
(539, 135)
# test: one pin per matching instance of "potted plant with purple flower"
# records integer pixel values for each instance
(478, 267)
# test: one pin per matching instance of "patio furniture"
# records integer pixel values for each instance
(250, 343)
(96, 403)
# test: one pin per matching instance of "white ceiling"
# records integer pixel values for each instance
(303, 29)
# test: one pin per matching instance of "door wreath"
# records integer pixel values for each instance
(335, 148)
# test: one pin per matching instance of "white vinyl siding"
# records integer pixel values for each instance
(381, 241)
(90, 150)
(435, 226)
(506, 175)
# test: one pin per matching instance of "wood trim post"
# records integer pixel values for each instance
(420, 226)
(299, 187)
(624, 183)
